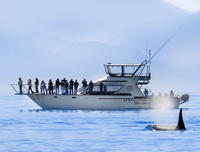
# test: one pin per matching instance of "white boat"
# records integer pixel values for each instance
(123, 89)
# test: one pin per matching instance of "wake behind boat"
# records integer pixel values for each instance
(125, 87)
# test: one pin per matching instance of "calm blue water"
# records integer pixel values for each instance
(25, 128)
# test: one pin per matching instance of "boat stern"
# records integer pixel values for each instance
(184, 98)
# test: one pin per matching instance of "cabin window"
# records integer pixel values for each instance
(129, 70)
(109, 88)
(116, 70)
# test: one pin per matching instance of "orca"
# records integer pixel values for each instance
(180, 125)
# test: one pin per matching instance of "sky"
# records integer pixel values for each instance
(74, 38)
(189, 5)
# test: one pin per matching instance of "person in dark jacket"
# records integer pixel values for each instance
(36, 85)
(50, 86)
(76, 84)
(101, 88)
(91, 86)
(84, 83)
(71, 86)
(30, 86)
(146, 92)
(57, 86)
(20, 84)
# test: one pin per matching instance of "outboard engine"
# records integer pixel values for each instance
(185, 97)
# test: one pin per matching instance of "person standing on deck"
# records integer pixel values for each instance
(171, 93)
(43, 89)
(146, 92)
(71, 86)
(57, 86)
(91, 86)
(50, 86)
(30, 86)
(84, 83)
(76, 84)
(36, 85)
(62, 86)
(20, 84)
(66, 84)
(101, 88)
(105, 89)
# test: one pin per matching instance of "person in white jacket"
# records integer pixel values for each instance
(43, 88)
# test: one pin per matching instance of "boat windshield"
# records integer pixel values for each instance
(121, 70)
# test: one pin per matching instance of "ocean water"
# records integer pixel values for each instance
(25, 127)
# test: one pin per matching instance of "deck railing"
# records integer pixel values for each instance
(107, 89)
(15, 87)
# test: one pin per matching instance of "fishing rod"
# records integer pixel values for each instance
(145, 62)
(162, 46)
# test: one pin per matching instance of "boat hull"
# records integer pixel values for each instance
(103, 102)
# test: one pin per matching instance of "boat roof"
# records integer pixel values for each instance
(124, 70)
(109, 64)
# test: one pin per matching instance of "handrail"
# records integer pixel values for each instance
(142, 64)
(12, 86)
(15, 88)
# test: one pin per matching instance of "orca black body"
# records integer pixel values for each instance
(179, 126)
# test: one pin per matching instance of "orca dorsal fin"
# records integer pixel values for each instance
(180, 124)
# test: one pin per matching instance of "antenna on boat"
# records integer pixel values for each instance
(162, 46)
(149, 61)
(145, 62)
